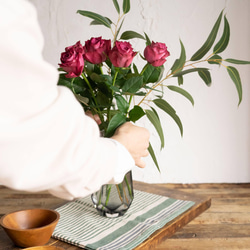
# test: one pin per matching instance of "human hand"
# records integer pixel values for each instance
(135, 139)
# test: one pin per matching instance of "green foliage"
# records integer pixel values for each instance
(209, 42)
(111, 94)
(235, 76)
(126, 6)
(222, 44)
(116, 6)
(182, 92)
(98, 18)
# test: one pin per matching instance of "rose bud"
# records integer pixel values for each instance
(96, 50)
(156, 54)
(122, 54)
(72, 60)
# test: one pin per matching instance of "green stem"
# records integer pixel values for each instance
(143, 70)
(109, 187)
(72, 86)
(93, 95)
(113, 84)
(129, 188)
(130, 100)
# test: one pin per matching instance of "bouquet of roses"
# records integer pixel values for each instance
(104, 79)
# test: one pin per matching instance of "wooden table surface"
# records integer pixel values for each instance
(11, 200)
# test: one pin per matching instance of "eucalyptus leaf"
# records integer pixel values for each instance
(154, 119)
(182, 92)
(116, 121)
(205, 76)
(234, 74)
(96, 22)
(152, 154)
(179, 63)
(184, 72)
(101, 19)
(223, 42)
(82, 99)
(126, 6)
(166, 107)
(209, 42)
(215, 59)
(180, 80)
(235, 61)
(130, 35)
(116, 6)
(136, 113)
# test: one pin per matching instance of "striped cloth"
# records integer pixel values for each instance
(82, 226)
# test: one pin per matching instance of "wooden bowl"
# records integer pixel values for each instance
(29, 228)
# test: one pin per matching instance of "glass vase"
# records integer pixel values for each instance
(113, 200)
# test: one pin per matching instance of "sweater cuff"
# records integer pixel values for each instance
(125, 163)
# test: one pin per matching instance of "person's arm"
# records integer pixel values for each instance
(46, 141)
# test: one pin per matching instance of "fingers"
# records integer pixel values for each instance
(135, 139)
(140, 163)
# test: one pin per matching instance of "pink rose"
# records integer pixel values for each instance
(96, 50)
(72, 60)
(122, 54)
(156, 54)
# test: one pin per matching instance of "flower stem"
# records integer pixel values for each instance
(93, 96)
(129, 188)
(72, 86)
(143, 70)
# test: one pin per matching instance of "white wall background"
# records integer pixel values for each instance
(216, 142)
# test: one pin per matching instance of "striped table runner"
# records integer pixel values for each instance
(82, 226)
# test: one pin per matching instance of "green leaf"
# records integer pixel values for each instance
(153, 118)
(126, 6)
(133, 84)
(136, 113)
(82, 99)
(215, 59)
(122, 104)
(148, 41)
(116, 6)
(184, 72)
(235, 61)
(101, 19)
(116, 121)
(152, 74)
(179, 63)
(223, 42)
(96, 22)
(162, 104)
(77, 85)
(205, 76)
(209, 42)
(130, 35)
(182, 92)
(152, 154)
(180, 80)
(235, 76)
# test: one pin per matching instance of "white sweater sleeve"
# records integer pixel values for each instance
(46, 140)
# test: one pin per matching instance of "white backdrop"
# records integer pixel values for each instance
(216, 142)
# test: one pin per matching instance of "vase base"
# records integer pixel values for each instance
(109, 213)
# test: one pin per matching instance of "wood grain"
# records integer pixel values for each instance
(225, 225)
